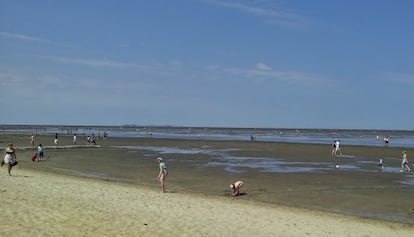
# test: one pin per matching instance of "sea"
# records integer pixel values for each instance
(363, 137)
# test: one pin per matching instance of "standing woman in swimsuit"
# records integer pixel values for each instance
(163, 173)
(9, 158)
(404, 162)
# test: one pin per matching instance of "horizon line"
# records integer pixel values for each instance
(193, 126)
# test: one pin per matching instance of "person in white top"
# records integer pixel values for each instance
(40, 152)
(338, 147)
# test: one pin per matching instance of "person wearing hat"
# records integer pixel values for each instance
(163, 173)
(236, 187)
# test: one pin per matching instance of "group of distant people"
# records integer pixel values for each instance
(336, 149)
(405, 165)
(10, 158)
(38, 156)
(91, 139)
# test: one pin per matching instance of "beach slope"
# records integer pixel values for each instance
(44, 204)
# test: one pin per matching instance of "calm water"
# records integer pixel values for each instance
(239, 164)
(397, 138)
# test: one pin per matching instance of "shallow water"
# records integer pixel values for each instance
(398, 138)
(240, 164)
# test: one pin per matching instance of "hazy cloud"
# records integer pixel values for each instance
(8, 79)
(23, 37)
(264, 72)
(401, 77)
(102, 63)
(18, 80)
(262, 66)
(270, 14)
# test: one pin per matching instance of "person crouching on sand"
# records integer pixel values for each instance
(163, 173)
(236, 188)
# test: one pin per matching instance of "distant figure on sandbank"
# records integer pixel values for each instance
(56, 139)
(386, 140)
(32, 140)
(236, 187)
(91, 139)
(404, 163)
(74, 139)
(163, 173)
(336, 148)
(252, 138)
(380, 165)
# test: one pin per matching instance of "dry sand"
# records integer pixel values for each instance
(36, 203)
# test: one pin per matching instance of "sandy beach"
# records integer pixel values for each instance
(44, 204)
(109, 190)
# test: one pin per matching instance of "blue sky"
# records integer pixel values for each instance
(256, 63)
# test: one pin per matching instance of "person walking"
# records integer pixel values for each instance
(338, 147)
(32, 140)
(9, 158)
(404, 162)
(163, 173)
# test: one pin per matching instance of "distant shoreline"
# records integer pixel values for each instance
(376, 138)
(127, 126)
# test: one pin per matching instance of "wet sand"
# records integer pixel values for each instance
(373, 195)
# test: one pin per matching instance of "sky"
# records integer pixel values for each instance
(219, 63)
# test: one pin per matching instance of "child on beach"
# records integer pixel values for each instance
(163, 173)
(404, 163)
(41, 153)
(236, 188)
(34, 157)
